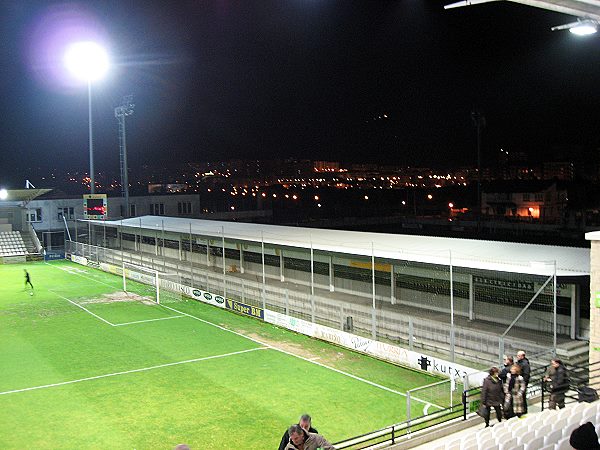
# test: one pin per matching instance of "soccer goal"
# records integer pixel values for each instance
(151, 284)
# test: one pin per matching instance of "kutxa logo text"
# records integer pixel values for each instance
(442, 367)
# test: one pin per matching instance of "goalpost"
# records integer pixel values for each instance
(151, 284)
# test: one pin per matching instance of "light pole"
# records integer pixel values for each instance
(88, 61)
(479, 122)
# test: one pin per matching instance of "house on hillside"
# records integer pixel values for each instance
(540, 200)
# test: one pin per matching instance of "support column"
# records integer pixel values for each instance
(471, 298)
(331, 275)
(574, 317)
(281, 266)
(242, 258)
(373, 310)
(392, 285)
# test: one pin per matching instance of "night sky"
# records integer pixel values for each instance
(261, 79)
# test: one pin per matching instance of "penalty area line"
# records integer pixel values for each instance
(147, 320)
(125, 372)
(79, 306)
(312, 361)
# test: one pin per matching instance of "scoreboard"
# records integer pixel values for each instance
(94, 206)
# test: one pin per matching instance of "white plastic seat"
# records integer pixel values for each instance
(488, 445)
(553, 437)
(503, 435)
(468, 441)
(453, 445)
(534, 444)
(568, 429)
(563, 444)
(526, 437)
(507, 444)
(485, 434)
(548, 447)
(542, 430)
(471, 446)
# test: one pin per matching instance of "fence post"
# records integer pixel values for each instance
(408, 412)
(542, 385)
(411, 336)
(464, 402)
(287, 302)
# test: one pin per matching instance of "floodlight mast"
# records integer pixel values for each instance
(122, 111)
(87, 61)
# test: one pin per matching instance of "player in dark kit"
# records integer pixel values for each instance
(27, 279)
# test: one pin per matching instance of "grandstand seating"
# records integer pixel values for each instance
(546, 430)
(12, 244)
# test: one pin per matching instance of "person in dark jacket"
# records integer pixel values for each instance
(508, 362)
(523, 363)
(492, 395)
(584, 437)
(559, 384)
(305, 423)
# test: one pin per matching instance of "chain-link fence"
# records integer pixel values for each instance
(457, 313)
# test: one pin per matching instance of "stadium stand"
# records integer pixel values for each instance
(546, 430)
(12, 244)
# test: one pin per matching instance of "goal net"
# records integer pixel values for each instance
(151, 284)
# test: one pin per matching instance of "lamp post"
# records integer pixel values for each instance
(88, 61)
(479, 122)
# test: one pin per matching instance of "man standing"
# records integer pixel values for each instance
(300, 439)
(559, 384)
(508, 362)
(523, 363)
(305, 423)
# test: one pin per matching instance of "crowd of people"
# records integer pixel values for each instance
(505, 390)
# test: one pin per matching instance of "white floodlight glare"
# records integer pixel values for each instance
(87, 60)
(3, 194)
(584, 28)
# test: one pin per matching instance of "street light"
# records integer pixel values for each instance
(88, 61)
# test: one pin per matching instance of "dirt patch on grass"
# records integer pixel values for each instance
(324, 355)
(116, 297)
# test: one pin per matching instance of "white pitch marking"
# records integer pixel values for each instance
(85, 309)
(301, 357)
(62, 383)
(288, 353)
(148, 320)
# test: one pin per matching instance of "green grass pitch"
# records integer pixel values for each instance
(83, 366)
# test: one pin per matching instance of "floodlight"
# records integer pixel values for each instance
(87, 60)
(3, 194)
(585, 28)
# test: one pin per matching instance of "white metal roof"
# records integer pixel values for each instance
(470, 253)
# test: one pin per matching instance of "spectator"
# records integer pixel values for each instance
(492, 395)
(584, 438)
(305, 422)
(514, 390)
(559, 384)
(508, 361)
(523, 363)
(301, 439)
